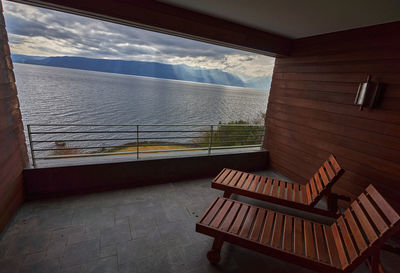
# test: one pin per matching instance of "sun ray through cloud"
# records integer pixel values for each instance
(40, 32)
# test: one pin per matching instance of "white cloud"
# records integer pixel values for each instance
(40, 32)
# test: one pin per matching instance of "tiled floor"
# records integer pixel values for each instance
(148, 229)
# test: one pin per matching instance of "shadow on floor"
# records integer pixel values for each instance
(148, 229)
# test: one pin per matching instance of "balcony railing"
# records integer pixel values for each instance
(61, 141)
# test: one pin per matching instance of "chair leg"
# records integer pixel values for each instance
(214, 255)
(227, 194)
(332, 202)
(374, 263)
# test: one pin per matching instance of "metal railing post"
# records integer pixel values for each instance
(262, 137)
(210, 139)
(137, 141)
(31, 145)
(227, 140)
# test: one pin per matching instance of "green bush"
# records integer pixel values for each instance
(232, 135)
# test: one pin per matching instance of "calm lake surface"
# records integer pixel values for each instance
(52, 95)
(61, 95)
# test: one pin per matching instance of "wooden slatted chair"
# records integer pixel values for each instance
(353, 238)
(297, 196)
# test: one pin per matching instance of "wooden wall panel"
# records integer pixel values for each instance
(13, 153)
(311, 113)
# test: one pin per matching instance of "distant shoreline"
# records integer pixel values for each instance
(153, 78)
(157, 70)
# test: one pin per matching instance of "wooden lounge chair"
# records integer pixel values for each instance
(297, 196)
(353, 238)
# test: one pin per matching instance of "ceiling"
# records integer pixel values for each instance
(262, 26)
(298, 18)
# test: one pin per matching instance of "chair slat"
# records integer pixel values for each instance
(348, 243)
(350, 240)
(339, 245)
(282, 190)
(329, 171)
(313, 189)
(248, 222)
(332, 250)
(255, 233)
(229, 177)
(309, 240)
(322, 251)
(254, 185)
(324, 177)
(218, 175)
(365, 224)
(268, 225)
(222, 175)
(239, 219)
(261, 185)
(221, 214)
(248, 182)
(308, 198)
(334, 164)
(277, 232)
(289, 194)
(318, 182)
(304, 196)
(235, 179)
(288, 233)
(242, 180)
(377, 219)
(213, 211)
(383, 205)
(298, 236)
(355, 231)
(275, 184)
(268, 186)
(296, 190)
(230, 217)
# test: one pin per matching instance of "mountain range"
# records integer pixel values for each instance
(148, 69)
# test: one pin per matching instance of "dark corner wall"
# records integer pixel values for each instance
(13, 153)
(311, 112)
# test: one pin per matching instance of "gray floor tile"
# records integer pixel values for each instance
(104, 265)
(83, 236)
(117, 234)
(81, 253)
(10, 265)
(127, 268)
(28, 243)
(107, 251)
(134, 250)
(35, 257)
(42, 266)
(56, 248)
(73, 269)
(147, 229)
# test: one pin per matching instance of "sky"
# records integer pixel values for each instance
(41, 32)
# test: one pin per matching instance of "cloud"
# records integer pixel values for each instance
(41, 32)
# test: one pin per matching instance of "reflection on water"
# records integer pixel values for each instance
(51, 95)
(60, 95)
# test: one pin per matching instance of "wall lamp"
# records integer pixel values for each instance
(368, 94)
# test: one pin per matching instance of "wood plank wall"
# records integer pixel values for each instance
(311, 113)
(13, 153)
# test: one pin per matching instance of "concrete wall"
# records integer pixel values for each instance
(51, 182)
(13, 153)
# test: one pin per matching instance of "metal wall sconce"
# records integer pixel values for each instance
(368, 94)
